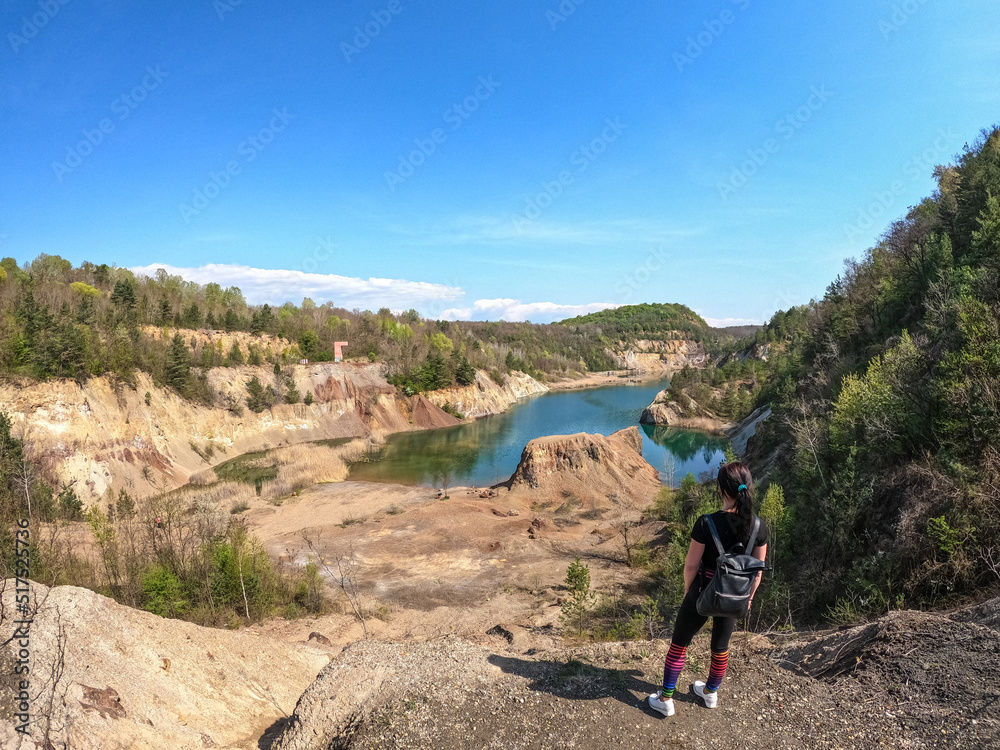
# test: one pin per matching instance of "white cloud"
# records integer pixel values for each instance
(724, 322)
(515, 229)
(515, 310)
(277, 286)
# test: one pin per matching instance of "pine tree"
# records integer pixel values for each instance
(466, 373)
(236, 355)
(577, 605)
(259, 397)
(178, 366)
(192, 316)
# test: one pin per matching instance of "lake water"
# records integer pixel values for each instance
(487, 451)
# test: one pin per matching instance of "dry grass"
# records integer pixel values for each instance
(220, 493)
(204, 478)
(298, 467)
(301, 466)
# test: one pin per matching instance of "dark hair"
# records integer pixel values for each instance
(732, 477)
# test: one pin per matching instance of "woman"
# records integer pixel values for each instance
(733, 523)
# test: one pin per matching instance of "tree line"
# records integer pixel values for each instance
(61, 321)
(886, 409)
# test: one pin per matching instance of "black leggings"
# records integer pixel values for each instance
(689, 622)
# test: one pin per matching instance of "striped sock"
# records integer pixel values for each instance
(720, 660)
(672, 667)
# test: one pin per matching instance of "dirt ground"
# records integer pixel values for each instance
(427, 567)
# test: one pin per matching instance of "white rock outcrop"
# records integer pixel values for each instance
(107, 677)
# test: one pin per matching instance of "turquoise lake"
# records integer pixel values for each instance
(486, 451)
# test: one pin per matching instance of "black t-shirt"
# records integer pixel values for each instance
(726, 524)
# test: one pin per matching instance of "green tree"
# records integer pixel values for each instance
(259, 397)
(440, 343)
(178, 365)
(165, 313)
(435, 373)
(579, 601)
(773, 511)
(236, 354)
(466, 373)
(123, 298)
(192, 316)
(308, 344)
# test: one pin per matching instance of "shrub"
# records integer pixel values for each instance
(163, 592)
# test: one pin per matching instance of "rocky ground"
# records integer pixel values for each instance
(910, 680)
(108, 677)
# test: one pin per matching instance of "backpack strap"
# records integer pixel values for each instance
(753, 536)
(715, 534)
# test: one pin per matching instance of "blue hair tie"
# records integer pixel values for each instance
(741, 488)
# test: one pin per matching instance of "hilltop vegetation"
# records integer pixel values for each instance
(646, 321)
(60, 321)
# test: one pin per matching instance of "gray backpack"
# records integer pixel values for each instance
(728, 592)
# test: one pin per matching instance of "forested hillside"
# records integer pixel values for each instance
(644, 321)
(886, 424)
(57, 321)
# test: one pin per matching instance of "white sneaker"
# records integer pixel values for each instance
(711, 699)
(665, 707)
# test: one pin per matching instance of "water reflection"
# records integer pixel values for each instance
(684, 444)
(486, 452)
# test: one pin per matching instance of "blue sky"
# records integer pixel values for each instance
(526, 160)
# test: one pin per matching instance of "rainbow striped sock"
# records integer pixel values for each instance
(720, 660)
(672, 667)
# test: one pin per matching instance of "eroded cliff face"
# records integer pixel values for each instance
(658, 356)
(104, 436)
(105, 676)
(665, 412)
(590, 466)
(485, 397)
